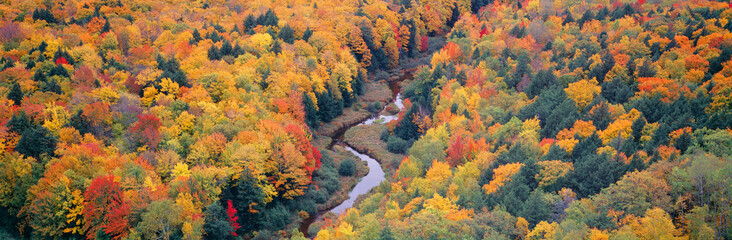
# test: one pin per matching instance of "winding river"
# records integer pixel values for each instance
(375, 175)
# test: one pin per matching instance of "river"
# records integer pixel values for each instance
(376, 174)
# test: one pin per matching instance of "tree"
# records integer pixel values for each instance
(307, 34)
(162, 219)
(15, 94)
(146, 130)
(35, 142)
(286, 34)
(105, 209)
(216, 223)
(231, 213)
(522, 69)
(311, 112)
(535, 209)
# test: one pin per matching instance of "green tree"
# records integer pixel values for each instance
(161, 221)
(536, 209)
(286, 34)
(15, 94)
(311, 113)
(36, 141)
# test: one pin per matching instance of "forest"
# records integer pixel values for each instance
(213, 119)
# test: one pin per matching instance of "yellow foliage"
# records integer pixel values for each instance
(543, 230)
(58, 115)
(181, 170)
(74, 208)
(583, 91)
(568, 144)
(261, 41)
(596, 234)
(619, 128)
(501, 176)
(552, 170)
(149, 95)
(169, 87)
(440, 171)
(106, 95)
(186, 121)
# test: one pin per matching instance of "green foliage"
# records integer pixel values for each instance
(397, 145)
(36, 142)
(15, 94)
(347, 167)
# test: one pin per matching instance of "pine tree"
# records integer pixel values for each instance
(196, 36)
(106, 26)
(311, 113)
(286, 34)
(307, 34)
(15, 94)
(36, 141)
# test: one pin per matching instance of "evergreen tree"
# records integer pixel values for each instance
(522, 68)
(106, 26)
(311, 113)
(226, 48)
(216, 222)
(386, 234)
(213, 53)
(59, 71)
(406, 129)
(52, 86)
(286, 34)
(19, 122)
(637, 128)
(327, 106)
(249, 23)
(36, 141)
(307, 34)
(276, 47)
(196, 35)
(15, 94)
(412, 44)
(542, 80)
(38, 76)
(616, 91)
(535, 208)
(454, 16)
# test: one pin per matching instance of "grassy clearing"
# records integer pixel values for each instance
(365, 139)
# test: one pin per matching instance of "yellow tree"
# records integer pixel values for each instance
(583, 91)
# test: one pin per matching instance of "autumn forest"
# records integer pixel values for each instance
(254, 119)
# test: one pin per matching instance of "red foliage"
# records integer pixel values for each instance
(616, 4)
(424, 43)
(105, 208)
(456, 151)
(303, 144)
(132, 85)
(146, 129)
(483, 32)
(97, 112)
(61, 60)
(231, 212)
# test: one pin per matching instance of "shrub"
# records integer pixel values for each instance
(347, 167)
(397, 145)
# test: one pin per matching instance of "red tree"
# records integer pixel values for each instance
(146, 130)
(105, 209)
(231, 212)
(424, 43)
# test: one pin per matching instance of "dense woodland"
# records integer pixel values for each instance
(537, 119)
